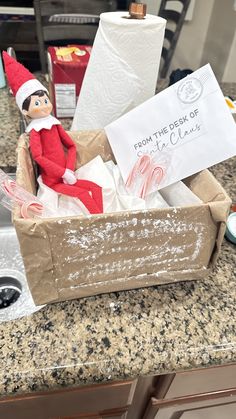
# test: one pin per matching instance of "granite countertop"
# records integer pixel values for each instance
(120, 335)
(9, 129)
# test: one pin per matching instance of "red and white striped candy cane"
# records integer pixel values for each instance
(141, 167)
(150, 171)
(16, 193)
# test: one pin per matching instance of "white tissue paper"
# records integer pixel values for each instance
(61, 205)
(115, 197)
(122, 70)
(127, 201)
(179, 195)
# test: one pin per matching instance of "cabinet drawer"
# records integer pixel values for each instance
(202, 381)
(196, 406)
(89, 401)
(117, 414)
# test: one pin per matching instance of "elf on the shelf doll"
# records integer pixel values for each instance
(51, 147)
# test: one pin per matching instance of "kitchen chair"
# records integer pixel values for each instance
(175, 20)
(74, 21)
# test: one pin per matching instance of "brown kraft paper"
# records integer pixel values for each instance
(74, 257)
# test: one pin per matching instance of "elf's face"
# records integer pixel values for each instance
(40, 106)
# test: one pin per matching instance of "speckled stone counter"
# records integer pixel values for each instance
(120, 335)
(9, 129)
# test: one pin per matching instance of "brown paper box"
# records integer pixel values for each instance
(73, 257)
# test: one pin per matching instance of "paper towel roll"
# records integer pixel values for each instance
(122, 70)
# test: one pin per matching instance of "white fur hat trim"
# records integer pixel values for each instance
(27, 89)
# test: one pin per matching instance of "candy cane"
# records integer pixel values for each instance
(152, 173)
(12, 190)
(141, 166)
(33, 207)
(155, 174)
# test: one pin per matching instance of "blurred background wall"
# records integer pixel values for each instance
(208, 35)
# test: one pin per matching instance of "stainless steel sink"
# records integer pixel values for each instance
(15, 297)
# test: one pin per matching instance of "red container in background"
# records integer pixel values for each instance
(66, 66)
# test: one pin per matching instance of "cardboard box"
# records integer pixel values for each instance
(75, 257)
(66, 75)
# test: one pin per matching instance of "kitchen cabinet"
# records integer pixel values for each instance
(195, 394)
(193, 407)
(101, 401)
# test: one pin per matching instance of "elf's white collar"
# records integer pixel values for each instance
(40, 123)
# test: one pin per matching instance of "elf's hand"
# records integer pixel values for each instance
(69, 177)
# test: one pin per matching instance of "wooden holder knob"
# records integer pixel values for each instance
(137, 10)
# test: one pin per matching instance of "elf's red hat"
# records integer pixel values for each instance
(21, 81)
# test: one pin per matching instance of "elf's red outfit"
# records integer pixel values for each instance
(51, 147)
(47, 147)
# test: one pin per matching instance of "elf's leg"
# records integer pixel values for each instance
(77, 192)
(95, 190)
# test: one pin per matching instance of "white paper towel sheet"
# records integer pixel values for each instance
(122, 71)
(179, 195)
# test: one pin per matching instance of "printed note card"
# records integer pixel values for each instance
(184, 129)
